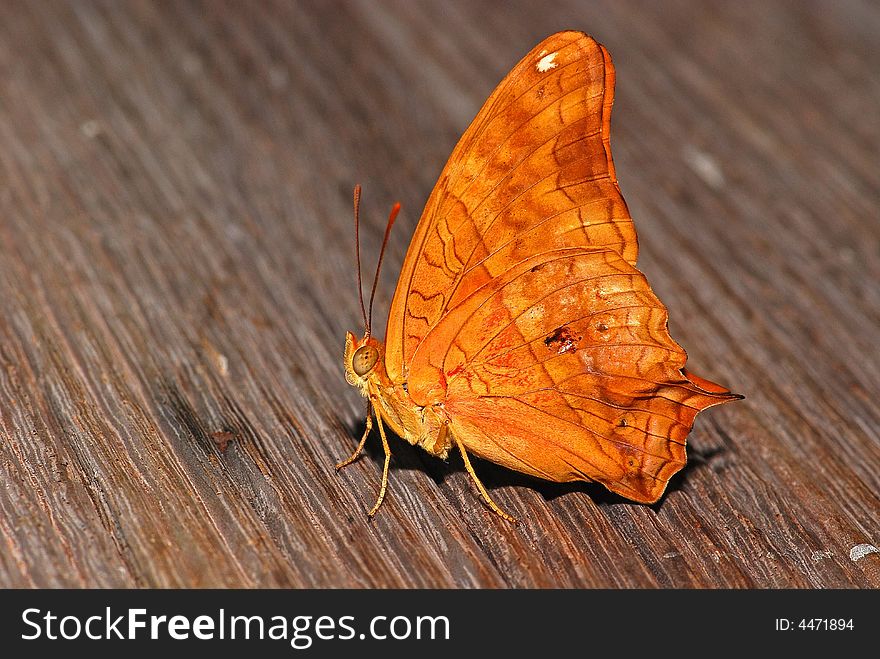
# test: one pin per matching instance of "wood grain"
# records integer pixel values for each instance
(176, 264)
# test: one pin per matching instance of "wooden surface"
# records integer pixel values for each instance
(176, 274)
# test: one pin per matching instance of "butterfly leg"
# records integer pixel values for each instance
(480, 487)
(360, 447)
(387, 450)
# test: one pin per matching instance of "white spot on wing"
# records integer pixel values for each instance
(546, 63)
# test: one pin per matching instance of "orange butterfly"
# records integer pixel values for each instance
(521, 330)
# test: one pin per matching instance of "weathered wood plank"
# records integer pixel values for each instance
(176, 262)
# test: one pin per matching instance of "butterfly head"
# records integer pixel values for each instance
(361, 358)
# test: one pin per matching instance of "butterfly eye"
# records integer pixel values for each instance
(364, 359)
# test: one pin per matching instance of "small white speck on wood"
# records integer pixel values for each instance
(858, 552)
(705, 166)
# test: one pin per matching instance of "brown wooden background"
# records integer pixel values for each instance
(176, 264)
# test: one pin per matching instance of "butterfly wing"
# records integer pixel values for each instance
(532, 171)
(562, 368)
(519, 307)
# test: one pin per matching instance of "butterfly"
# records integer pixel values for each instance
(520, 330)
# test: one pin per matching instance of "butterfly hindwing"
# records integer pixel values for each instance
(562, 367)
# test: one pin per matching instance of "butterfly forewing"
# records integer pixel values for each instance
(532, 172)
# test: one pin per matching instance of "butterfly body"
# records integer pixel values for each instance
(521, 329)
(425, 426)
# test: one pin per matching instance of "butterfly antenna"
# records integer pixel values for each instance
(357, 251)
(395, 209)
